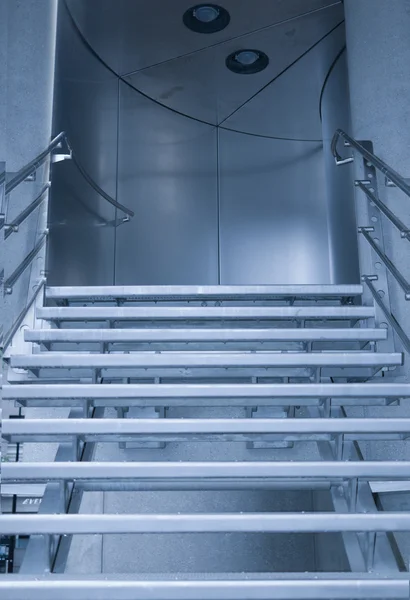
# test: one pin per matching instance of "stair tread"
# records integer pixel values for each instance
(195, 291)
(260, 390)
(36, 472)
(204, 359)
(225, 334)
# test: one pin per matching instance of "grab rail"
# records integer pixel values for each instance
(377, 162)
(40, 159)
(371, 160)
(33, 165)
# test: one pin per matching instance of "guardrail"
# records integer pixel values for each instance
(393, 178)
(26, 172)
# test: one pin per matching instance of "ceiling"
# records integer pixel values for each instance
(146, 43)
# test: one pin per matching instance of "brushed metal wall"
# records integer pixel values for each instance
(242, 203)
(167, 173)
(273, 211)
(82, 240)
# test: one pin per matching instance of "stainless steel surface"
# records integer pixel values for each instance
(344, 263)
(391, 319)
(13, 277)
(34, 164)
(187, 360)
(191, 186)
(401, 280)
(403, 229)
(322, 587)
(219, 292)
(201, 523)
(167, 172)
(44, 472)
(186, 429)
(210, 313)
(202, 335)
(259, 198)
(17, 221)
(183, 393)
(374, 160)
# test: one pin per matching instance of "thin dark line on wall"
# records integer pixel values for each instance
(173, 110)
(292, 64)
(232, 39)
(218, 202)
(269, 137)
(116, 181)
(330, 71)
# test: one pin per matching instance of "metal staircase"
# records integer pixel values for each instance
(252, 369)
(309, 352)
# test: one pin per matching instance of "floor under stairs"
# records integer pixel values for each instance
(191, 437)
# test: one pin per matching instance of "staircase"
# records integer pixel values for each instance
(206, 389)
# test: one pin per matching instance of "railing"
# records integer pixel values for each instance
(368, 188)
(27, 172)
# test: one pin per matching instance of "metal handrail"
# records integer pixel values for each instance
(404, 231)
(33, 165)
(391, 319)
(10, 281)
(401, 280)
(14, 225)
(7, 339)
(377, 162)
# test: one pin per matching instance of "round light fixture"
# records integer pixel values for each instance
(247, 61)
(206, 18)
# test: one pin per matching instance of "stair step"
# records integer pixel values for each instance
(186, 360)
(205, 395)
(283, 586)
(202, 335)
(312, 522)
(180, 394)
(203, 292)
(43, 472)
(49, 430)
(153, 313)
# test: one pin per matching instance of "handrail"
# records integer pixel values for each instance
(14, 225)
(377, 162)
(99, 190)
(10, 281)
(404, 231)
(42, 157)
(403, 283)
(389, 317)
(6, 340)
(34, 164)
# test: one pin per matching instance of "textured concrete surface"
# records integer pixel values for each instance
(214, 553)
(378, 51)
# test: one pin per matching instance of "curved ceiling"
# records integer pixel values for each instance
(146, 43)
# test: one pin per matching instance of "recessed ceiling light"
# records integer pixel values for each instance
(206, 18)
(247, 61)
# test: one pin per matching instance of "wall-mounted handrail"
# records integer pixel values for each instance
(377, 162)
(404, 231)
(6, 340)
(10, 281)
(40, 159)
(391, 319)
(14, 225)
(33, 165)
(100, 191)
(403, 283)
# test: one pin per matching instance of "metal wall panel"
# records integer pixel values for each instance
(273, 211)
(86, 107)
(168, 176)
(344, 260)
